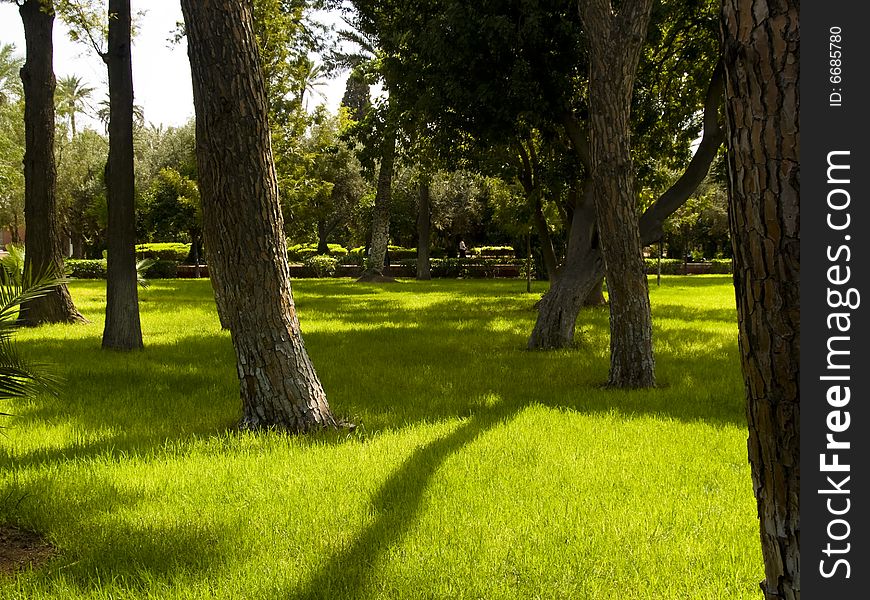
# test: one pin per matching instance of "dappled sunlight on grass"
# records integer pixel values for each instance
(478, 469)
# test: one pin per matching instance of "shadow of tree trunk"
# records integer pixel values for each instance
(349, 573)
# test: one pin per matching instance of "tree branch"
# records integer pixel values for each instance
(653, 218)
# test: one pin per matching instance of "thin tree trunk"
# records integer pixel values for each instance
(375, 267)
(548, 254)
(123, 330)
(43, 244)
(322, 232)
(762, 67)
(553, 316)
(424, 232)
(615, 42)
(242, 218)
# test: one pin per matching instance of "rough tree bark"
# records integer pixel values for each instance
(123, 330)
(583, 268)
(43, 244)
(762, 71)
(381, 214)
(424, 232)
(242, 222)
(615, 42)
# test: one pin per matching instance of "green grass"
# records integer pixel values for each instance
(478, 470)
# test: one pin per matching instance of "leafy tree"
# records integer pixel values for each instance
(329, 194)
(173, 211)
(480, 81)
(81, 192)
(43, 242)
(11, 142)
(10, 82)
(242, 217)
(761, 42)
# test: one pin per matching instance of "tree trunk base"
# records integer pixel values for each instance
(56, 307)
(558, 309)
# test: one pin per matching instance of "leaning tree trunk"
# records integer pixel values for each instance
(122, 330)
(381, 213)
(762, 66)
(43, 245)
(560, 315)
(242, 218)
(424, 232)
(557, 311)
(615, 42)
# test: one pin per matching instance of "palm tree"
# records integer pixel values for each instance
(310, 78)
(72, 98)
(10, 65)
(103, 114)
(18, 377)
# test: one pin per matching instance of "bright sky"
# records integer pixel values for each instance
(161, 72)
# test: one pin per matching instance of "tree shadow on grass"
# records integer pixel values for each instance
(432, 364)
(349, 573)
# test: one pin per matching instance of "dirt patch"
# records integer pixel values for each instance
(21, 549)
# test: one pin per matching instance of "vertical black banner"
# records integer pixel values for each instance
(835, 270)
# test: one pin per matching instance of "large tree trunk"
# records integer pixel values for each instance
(243, 226)
(762, 67)
(615, 42)
(381, 214)
(554, 315)
(43, 245)
(557, 311)
(123, 330)
(424, 232)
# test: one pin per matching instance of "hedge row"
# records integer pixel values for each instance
(675, 266)
(96, 269)
(163, 251)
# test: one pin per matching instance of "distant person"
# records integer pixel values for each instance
(462, 249)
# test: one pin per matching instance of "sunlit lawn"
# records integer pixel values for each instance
(478, 470)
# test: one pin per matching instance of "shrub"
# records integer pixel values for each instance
(162, 269)
(301, 252)
(173, 251)
(670, 266)
(501, 251)
(396, 253)
(86, 269)
(722, 266)
(321, 265)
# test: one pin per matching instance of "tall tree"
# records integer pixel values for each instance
(242, 217)
(616, 39)
(761, 43)
(44, 252)
(123, 330)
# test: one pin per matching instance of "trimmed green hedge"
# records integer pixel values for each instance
(675, 266)
(302, 252)
(86, 269)
(174, 251)
(96, 269)
(502, 251)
